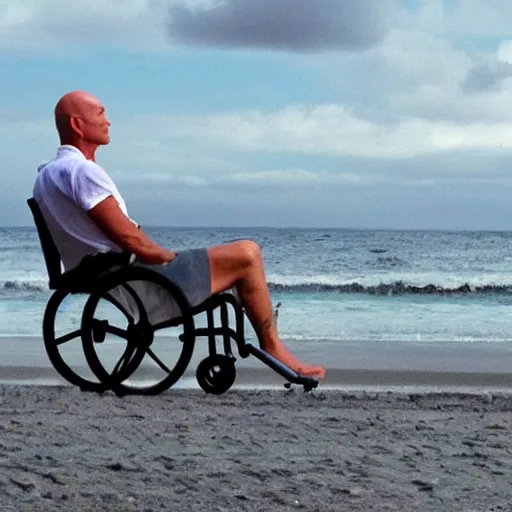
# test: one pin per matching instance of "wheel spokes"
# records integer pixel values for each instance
(68, 337)
(158, 361)
(145, 300)
(125, 359)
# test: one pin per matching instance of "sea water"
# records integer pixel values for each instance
(331, 285)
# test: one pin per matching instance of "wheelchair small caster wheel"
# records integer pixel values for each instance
(216, 374)
(309, 386)
(288, 385)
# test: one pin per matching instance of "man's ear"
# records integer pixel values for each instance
(76, 124)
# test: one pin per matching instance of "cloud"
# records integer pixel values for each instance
(38, 26)
(424, 76)
(143, 25)
(291, 25)
(416, 59)
(490, 71)
(283, 179)
(487, 75)
(237, 146)
(477, 18)
(455, 17)
(504, 53)
(330, 130)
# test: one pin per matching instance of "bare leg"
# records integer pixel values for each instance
(240, 264)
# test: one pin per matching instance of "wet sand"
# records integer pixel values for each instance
(477, 366)
(254, 450)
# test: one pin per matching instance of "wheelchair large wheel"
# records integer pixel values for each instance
(62, 340)
(127, 349)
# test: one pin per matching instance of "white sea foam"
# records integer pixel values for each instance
(423, 279)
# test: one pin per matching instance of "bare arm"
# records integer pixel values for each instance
(122, 231)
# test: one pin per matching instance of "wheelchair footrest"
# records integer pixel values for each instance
(293, 377)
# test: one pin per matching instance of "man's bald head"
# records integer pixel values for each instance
(80, 118)
(74, 103)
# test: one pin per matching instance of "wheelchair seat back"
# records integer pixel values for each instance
(50, 251)
(79, 278)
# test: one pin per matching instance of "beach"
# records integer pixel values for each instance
(381, 433)
(254, 451)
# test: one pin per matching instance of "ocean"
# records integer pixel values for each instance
(333, 285)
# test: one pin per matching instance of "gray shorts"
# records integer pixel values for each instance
(190, 271)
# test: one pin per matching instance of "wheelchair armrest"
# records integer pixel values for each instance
(93, 266)
(105, 260)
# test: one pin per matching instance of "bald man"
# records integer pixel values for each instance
(86, 214)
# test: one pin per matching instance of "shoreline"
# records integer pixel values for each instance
(349, 364)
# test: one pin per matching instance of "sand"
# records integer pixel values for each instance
(255, 450)
(408, 427)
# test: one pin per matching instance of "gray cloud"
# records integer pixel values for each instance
(485, 76)
(287, 25)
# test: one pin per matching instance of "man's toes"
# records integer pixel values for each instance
(312, 371)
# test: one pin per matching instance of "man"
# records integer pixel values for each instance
(86, 214)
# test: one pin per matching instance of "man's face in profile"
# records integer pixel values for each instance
(95, 125)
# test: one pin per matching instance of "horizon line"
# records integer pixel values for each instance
(330, 228)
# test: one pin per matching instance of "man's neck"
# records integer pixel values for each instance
(87, 149)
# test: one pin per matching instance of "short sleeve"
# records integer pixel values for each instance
(91, 185)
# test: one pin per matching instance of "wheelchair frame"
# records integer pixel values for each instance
(96, 276)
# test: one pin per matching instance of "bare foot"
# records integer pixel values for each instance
(303, 369)
(311, 370)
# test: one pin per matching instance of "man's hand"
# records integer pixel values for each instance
(118, 228)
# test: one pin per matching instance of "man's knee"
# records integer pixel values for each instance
(249, 252)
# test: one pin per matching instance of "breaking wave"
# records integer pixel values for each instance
(393, 288)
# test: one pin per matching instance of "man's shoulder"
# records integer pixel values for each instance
(71, 158)
(91, 167)
(72, 171)
(78, 166)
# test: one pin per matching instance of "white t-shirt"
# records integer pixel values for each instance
(66, 188)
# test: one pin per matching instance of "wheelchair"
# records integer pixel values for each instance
(112, 286)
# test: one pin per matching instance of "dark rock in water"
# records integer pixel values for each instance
(23, 286)
(390, 261)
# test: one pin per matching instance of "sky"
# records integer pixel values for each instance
(290, 113)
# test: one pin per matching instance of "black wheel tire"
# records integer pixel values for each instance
(115, 382)
(216, 374)
(51, 344)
